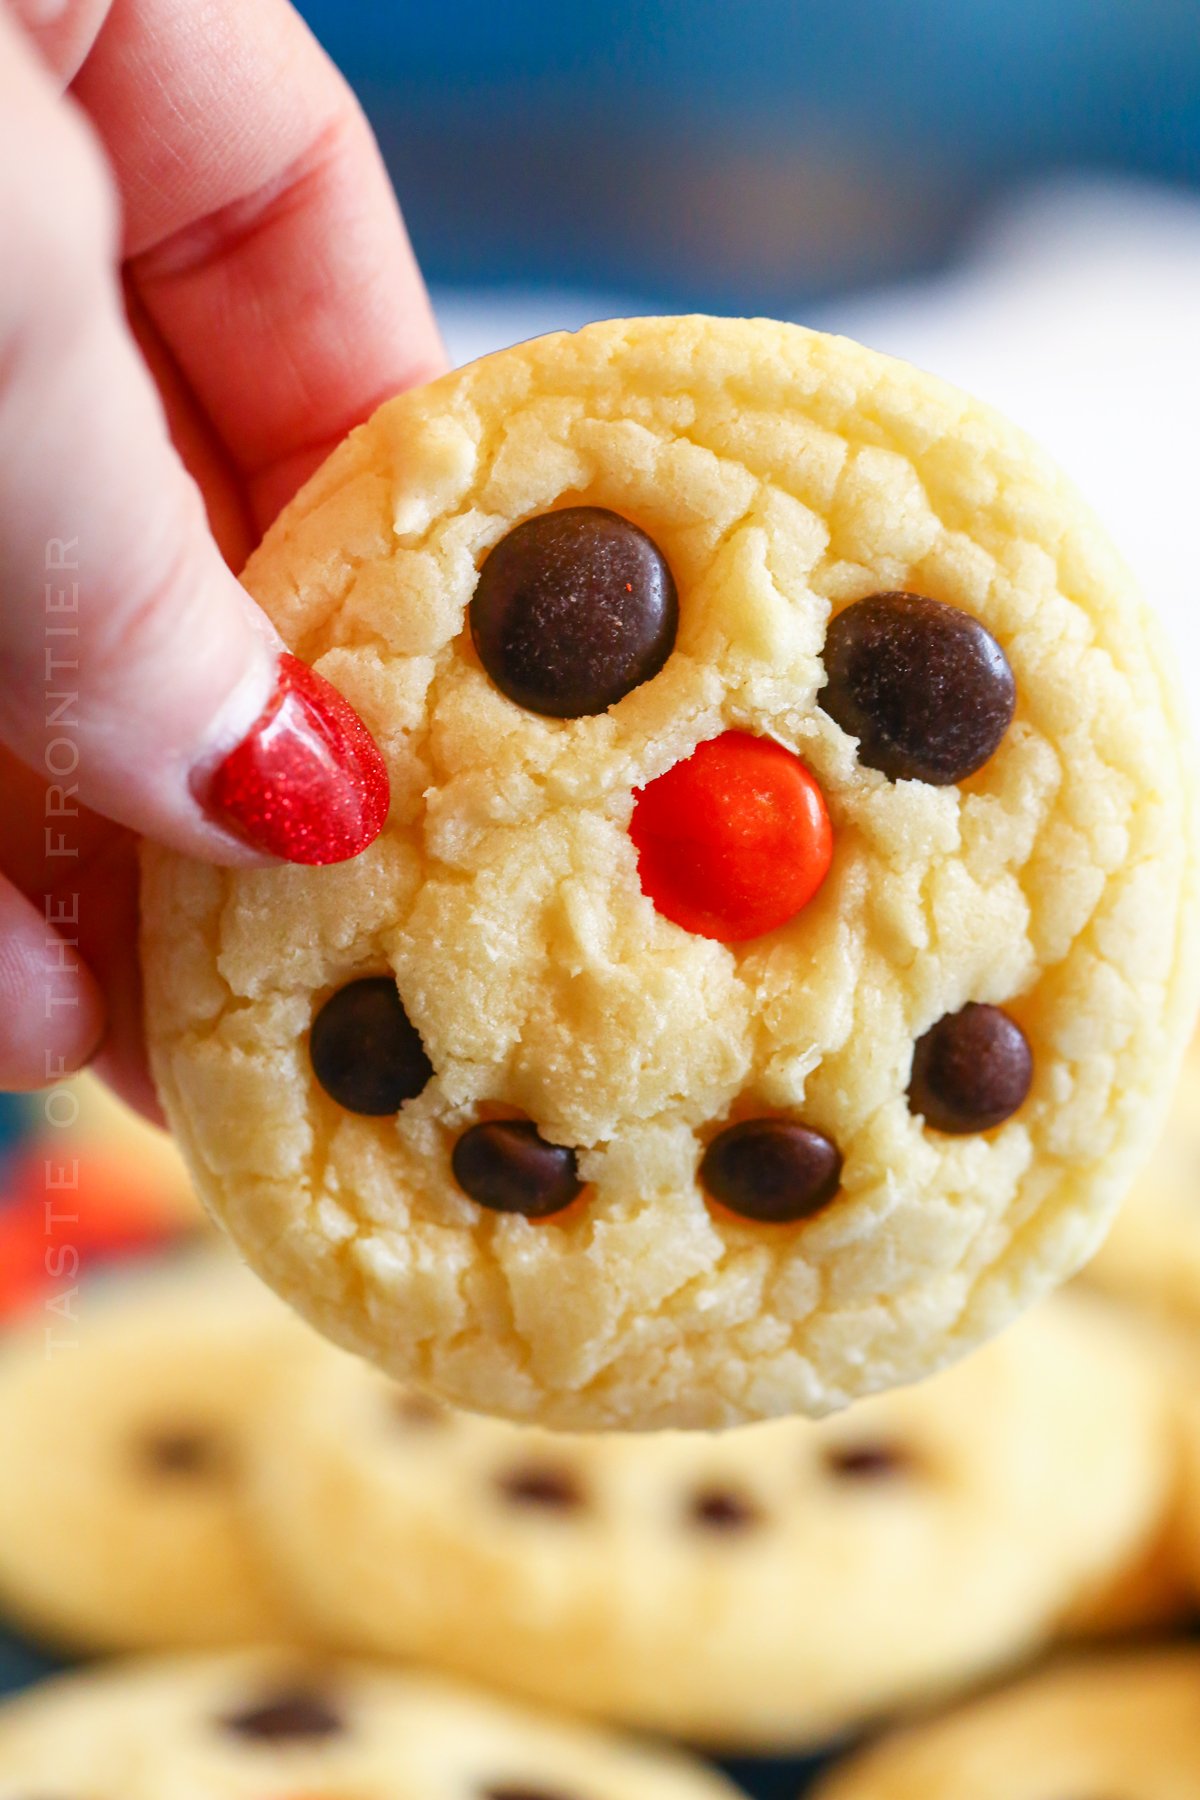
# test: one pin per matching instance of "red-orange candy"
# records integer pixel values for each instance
(734, 841)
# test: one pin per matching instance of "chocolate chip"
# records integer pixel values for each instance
(970, 1071)
(771, 1170)
(867, 1461)
(419, 1411)
(296, 1713)
(189, 1451)
(924, 687)
(366, 1053)
(553, 1488)
(573, 610)
(723, 1509)
(507, 1165)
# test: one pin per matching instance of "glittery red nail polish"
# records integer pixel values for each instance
(307, 782)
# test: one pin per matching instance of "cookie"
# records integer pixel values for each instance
(782, 941)
(765, 1587)
(1152, 1255)
(1186, 1524)
(126, 1426)
(1122, 1728)
(1153, 1590)
(1148, 1594)
(265, 1722)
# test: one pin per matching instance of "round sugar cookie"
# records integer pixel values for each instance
(1153, 1590)
(1148, 1593)
(1152, 1254)
(257, 1724)
(1120, 1728)
(766, 1587)
(782, 940)
(126, 1426)
(1185, 1536)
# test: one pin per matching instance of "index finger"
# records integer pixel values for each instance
(261, 232)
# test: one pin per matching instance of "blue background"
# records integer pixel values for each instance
(750, 154)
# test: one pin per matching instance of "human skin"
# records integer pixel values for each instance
(207, 283)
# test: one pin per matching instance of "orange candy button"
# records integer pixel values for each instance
(734, 841)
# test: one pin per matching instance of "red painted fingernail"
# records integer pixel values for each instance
(307, 782)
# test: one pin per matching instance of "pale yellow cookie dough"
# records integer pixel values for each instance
(182, 1729)
(126, 1427)
(783, 474)
(1120, 1728)
(764, 1588)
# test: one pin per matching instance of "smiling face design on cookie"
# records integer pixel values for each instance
(782, 925)
(573, 610)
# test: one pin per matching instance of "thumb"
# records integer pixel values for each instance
(134, 669)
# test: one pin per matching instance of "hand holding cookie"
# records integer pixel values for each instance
(146, 219)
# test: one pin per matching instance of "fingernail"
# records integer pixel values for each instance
(307, 782)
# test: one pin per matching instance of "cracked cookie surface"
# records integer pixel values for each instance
(782, 476)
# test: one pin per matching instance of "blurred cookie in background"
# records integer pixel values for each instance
(270, 1721)
(1154, 1590)
(1148, 1269)
(1125, 1727)
(1150, 1593)
(101, 1185)
(186, 1464)
(1152, 1255)
(765, 1588)
(126, 1422)
(1186, 1532)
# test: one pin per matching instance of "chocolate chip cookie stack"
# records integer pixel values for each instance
(1126, 1726)
(201, 1470)
(250, 1722)
(768, 977)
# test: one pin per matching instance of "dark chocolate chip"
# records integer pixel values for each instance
(508, 1166)
(553, 1488)
(189, 1451)
(924, 687)
(366, 1052)
(723, 1509)
(293, 1714)
(970, 1071)
(771, 1170)
(871, 1460)
(573, 610)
